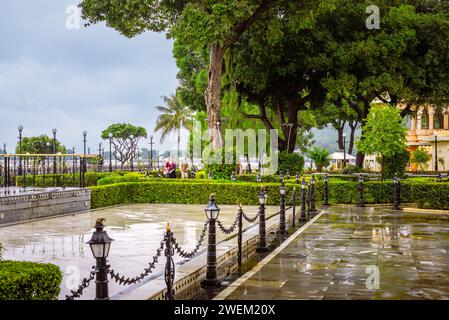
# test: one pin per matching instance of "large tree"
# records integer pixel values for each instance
(385, 133)
(42, 144)
(125, 139)
(217, 25)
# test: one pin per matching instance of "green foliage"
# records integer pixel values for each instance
(42, 144)
(68, 180)
(350, 169)
(396, 164)
(320, 157)
(420, 157)
(22, 280)
(123, 131)
(220, 164)
(425, 193)
(174, 116)
(291, 162)
(384, 133)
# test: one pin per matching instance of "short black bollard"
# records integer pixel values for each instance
(262, 246)
(297, 177)
(240, 237)
(303, 216)
(397, 195)
(212, 211)
(361, 203)
(169, 265)
(313, 210)
(282, 191)
(100, 243)
(326, 191)
(293, 204)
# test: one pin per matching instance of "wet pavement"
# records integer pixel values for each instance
(136, 229)
(357, 253)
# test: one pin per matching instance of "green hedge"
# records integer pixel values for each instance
(429, 195)
(22, 280)
(70, 180)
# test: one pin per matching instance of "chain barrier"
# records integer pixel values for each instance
(189, 255)
(151, 265)
(231, 228)
(250, 220)
(84, 284)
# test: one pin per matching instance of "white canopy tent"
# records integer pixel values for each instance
(337, 159)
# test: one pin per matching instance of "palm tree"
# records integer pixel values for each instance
(174, 116)
(320, 156)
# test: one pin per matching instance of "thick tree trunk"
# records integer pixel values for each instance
(213, 95)
(353, 126)
(293, 126)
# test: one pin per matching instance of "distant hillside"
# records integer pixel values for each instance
(327, 138)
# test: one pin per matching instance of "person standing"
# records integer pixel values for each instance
(184, 170)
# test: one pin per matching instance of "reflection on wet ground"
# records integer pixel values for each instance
(136, 229)
(338, 258)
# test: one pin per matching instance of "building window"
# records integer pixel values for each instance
(438, 120)
(425, 120)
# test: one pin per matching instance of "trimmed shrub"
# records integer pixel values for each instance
(23, 280)
(69, 179)
(350, 169)
(396, 164)
(426, 195)
(291, 162)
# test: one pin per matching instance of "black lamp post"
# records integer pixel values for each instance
(344, 150)
(110, 135)
(209, 175)
(282, 192)
(326, 190)
(54, 131)
(303, 216)
(397, 196)
(100, 245)
(150, 158)
(84, 141)
(281, 177)
(287, 175)
(131, 137)
(4, 148)
(212, 212)
(297, 177)
(99, 149)
(20, 128)
(361, 203)
(436, 151)
(312, 197)
(259, 177)
(262, 246)
(232, 177)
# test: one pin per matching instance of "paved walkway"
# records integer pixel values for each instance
(336, 256)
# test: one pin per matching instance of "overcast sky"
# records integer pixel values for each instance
(75, 80)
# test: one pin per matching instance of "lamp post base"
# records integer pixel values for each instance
(262, 249)
(208, 283)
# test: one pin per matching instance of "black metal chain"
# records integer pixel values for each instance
(250, 219)
(189, 255)
(84, 284)
(231, 228)
(151, 265)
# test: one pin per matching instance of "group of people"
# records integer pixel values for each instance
(170, 169)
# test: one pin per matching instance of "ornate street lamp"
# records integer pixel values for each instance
(212, 212)
(344, 150)
(100, 244)
(281, 177)
(232, 177)
(297, 177)
(110, 136)
(259, 177)
(131, 137)
(84, 140)
(303, 216)
(209, 175)
(20, 128)
(282, 192)
(436, 151)
(262, 245)
(326, 190)
(150, 158)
